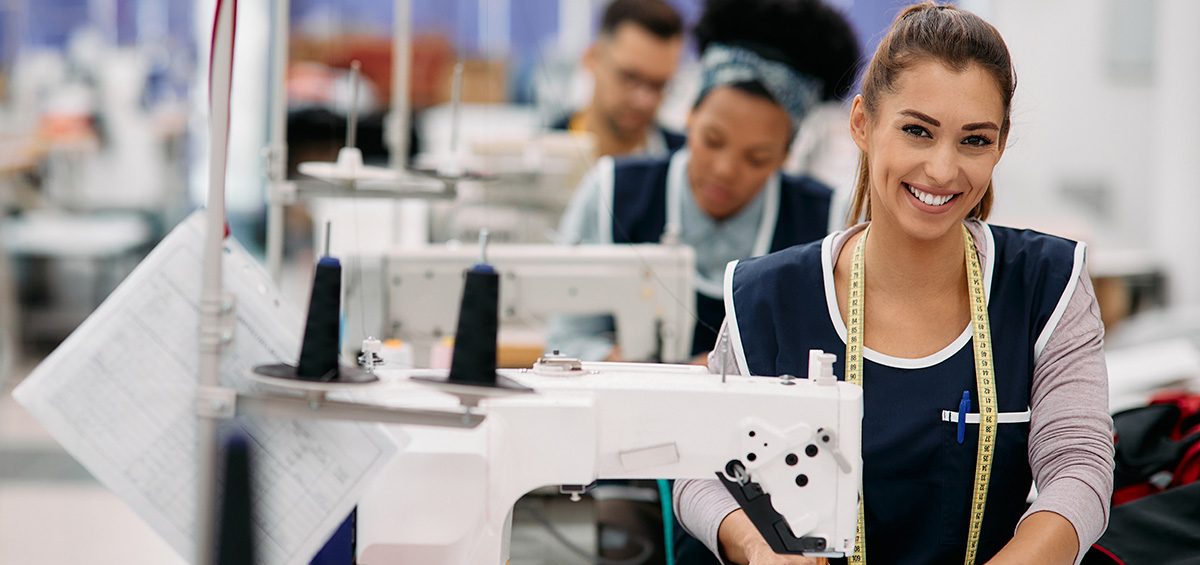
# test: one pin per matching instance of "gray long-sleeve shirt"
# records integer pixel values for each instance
(1070, 436)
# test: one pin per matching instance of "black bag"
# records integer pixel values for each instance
(1161, 529)
(1155, 518)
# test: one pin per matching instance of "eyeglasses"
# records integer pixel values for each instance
(630, 79)
(633, 81)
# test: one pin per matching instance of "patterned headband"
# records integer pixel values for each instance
(726, 64)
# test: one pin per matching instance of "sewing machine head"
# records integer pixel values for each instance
(783, 497)
(780, 486)
(648, 289)
(788, 449)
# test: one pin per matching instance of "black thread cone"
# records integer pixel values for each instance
(319, 351)
(474, 360)
(235, 541)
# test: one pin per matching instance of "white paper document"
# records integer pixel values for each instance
(119, 395)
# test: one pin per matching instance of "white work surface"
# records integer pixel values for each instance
(60, 234)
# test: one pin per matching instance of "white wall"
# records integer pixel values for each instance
(1177, 172)
(1082, 118)
(1074, 124)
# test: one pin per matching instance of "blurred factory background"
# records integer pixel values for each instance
(102, 151)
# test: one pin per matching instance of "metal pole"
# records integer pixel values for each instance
(455, 108)
(277, 148)
(352, 115)
(328, 237)
(292, 407)
(411, 225)
(401, 68)
(212, 298)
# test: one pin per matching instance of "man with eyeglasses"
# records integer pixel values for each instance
(631, 61)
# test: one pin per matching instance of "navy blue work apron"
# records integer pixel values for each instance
(646, 193)
(917, 476)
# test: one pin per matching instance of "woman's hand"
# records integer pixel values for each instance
(741, 543)
(763, 555)
(1042, 537)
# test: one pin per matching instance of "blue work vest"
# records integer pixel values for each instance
(642, 202)
(917, 477)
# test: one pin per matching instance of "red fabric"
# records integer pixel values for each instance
(1188, 470)
(1133, 492)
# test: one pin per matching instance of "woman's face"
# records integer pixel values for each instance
(737, 140)
(931, 146)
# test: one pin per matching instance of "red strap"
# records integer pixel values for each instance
(1188, 470)
(1108, 554)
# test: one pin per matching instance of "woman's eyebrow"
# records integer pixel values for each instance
(980, 125)
(973, 126)
(921, 116)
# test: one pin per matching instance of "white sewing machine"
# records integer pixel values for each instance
(647, 288)
(447, 498)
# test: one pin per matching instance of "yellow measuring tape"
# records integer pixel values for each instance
(984, 382)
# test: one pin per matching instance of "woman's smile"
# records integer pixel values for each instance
(928, 200)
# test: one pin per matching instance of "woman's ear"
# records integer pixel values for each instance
(858, 122)
(589, 58)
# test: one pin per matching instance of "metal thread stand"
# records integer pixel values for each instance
(213, 401)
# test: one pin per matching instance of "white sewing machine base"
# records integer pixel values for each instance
(448, 497)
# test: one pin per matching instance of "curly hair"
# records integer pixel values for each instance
(809, 36)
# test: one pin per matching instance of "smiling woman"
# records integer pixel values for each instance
(932, 154)
(978, 347)
(982, 65)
